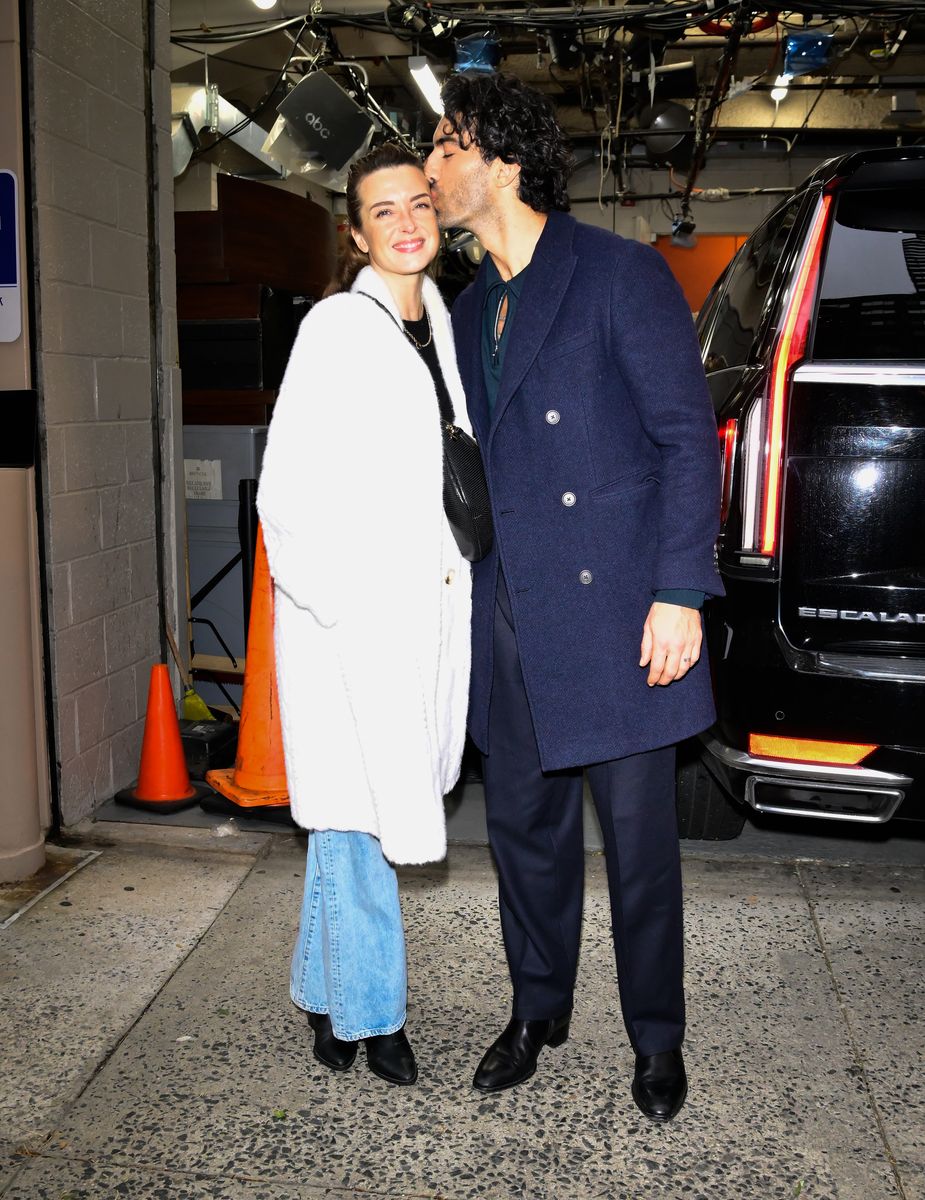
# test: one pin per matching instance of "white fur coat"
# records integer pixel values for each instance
(372, 594)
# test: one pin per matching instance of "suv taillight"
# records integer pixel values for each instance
(763, 441)
(727, 448)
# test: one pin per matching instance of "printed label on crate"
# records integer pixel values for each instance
(10, 295)
(203, 478)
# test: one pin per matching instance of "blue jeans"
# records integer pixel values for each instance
(349, 958)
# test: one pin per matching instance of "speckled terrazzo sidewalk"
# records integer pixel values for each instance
(806, 1047)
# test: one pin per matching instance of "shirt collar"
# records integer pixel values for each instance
(493, 279)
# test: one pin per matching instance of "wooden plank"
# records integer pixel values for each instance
(217, 666)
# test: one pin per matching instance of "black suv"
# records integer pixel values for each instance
(813, 343)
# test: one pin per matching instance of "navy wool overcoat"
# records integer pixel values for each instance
(602, 461)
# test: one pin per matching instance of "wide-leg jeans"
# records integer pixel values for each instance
(349, 958)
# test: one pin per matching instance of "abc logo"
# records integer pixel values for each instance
(316, 124)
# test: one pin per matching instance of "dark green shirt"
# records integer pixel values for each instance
(494, 348)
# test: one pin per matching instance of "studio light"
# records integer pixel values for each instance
(428, 85)
(781, 88)
(682, 232)
(264, 4)
(669, 135)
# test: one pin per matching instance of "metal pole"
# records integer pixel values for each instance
(247, 536)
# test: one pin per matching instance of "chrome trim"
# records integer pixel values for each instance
(869, 667)
(850, 666)
(859, 779)
(894, 375)
(892, 801)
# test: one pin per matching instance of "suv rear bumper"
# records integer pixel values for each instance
(834, 793)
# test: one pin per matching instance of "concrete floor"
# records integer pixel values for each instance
(898, 843)
(150, 1048)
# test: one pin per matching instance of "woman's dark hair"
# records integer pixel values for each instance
(352, 260)
(508, 120)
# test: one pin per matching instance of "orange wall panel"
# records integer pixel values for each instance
(698, 268)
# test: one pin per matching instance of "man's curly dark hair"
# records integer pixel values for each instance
(508, 120)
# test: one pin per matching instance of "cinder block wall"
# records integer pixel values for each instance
(106, 342)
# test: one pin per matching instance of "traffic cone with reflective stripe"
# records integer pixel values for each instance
(256, 786)
(163, 780)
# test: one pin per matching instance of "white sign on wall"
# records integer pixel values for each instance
(203, 478)
(10, 283)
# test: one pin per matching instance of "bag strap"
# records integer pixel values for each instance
(388, 312)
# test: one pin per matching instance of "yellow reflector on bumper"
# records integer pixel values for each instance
(846, 754)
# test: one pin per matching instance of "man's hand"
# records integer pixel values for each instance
(671, 640)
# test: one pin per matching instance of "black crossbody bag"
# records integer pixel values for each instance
(465, 492)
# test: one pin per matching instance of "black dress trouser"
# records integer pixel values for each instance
(536, 835)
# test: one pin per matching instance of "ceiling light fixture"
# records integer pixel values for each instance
(264, 4)
(781, 88)
(428, 85)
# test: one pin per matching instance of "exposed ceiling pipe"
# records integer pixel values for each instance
(718, 95)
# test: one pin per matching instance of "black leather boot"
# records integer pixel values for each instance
(389, 1055)
(512, 1058)
(328, 1049)
(660, 1084)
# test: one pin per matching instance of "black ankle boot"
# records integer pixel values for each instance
(328, 1049)
(389, 1055)
(512, 1058)
(660, 1084)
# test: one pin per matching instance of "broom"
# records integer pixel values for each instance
(194, 707)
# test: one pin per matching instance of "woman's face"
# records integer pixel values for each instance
(398, 226)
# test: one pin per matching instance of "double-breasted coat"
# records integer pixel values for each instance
(603, 466)
(372, 594)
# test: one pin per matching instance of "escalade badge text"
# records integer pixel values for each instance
(855, 614)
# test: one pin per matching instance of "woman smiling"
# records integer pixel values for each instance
(372, 607)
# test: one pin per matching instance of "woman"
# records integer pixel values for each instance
(372, 607)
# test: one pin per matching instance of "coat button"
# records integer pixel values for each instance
(586, 577)
(450, 576)
(568, 499)
(552, 417)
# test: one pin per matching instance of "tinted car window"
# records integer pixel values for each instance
(705, 316)
(740, 307)
(872, 298)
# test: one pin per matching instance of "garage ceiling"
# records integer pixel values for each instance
(601, 66)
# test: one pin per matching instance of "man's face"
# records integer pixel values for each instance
(459, 180)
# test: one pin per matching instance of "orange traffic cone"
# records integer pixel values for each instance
(256, 786)
(163, 780)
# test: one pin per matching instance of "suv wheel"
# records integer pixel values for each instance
(705, 812)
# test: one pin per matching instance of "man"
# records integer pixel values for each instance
(585, 388)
